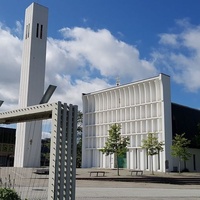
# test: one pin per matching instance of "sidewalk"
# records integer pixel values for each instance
(125, 175)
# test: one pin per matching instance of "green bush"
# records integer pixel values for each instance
(8, 194)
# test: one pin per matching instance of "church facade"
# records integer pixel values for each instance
(140, 108)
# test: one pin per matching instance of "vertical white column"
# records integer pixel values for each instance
(166, 120)
(62, 169)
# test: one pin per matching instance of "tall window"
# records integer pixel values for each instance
(37, 30)
(41, 29)
(27, 31)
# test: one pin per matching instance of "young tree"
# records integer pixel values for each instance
(79, 123)
(45, 152)
(79, 139)
(115, 144)
(153, 147)
(180, 149)
(79, 153)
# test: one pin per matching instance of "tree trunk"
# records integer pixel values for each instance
(117, 166)
(152, 172)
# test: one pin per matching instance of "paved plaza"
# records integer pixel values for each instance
(112, 187)
(99, 190)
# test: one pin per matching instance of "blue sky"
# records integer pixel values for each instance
(91, 42)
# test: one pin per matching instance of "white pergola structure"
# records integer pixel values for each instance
(62, 169)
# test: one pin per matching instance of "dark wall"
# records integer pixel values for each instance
(185, 120)
(7, 147)
(7, 135)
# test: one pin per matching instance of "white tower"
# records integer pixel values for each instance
(28, 135)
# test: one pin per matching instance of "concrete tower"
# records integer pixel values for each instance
(28, 135)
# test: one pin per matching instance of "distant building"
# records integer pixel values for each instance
(186, 120)
(7, 146)
(140, 107)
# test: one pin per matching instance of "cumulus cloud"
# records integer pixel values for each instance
(101, 51)
(182, 62)
(81, 61)
(85, 60)
(19, 29)
(169, 39)
(10, 59)
(71, 92)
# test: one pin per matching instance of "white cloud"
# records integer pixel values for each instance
(86, 60)
(182, 62)
(10, 59)
(71, 92)
(168, 39)
(103, 52)
(82, 61)
(19, 29)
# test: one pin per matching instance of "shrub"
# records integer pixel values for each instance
(8, 194)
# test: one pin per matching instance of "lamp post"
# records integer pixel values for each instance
(1, 102)
(47, 95)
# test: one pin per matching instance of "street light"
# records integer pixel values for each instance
(1, 102)
(47, 95)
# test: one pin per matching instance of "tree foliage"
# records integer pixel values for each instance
(45, 152)
(115, 144)
(79, 153)
(79, 122)
(180, 148)
(153, 146)
(47, 143)
(79, 139)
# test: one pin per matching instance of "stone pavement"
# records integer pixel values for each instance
(127, 187)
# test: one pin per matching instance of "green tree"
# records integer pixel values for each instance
(115, 144)
(180, 149)
(79, 139)
(79, 153)
(79, 122)
(45, 152)
(8, 194)
(153, 147)
(45, 155)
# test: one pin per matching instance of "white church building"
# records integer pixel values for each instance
(140, 108)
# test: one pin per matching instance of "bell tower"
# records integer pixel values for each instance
(28, 134)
